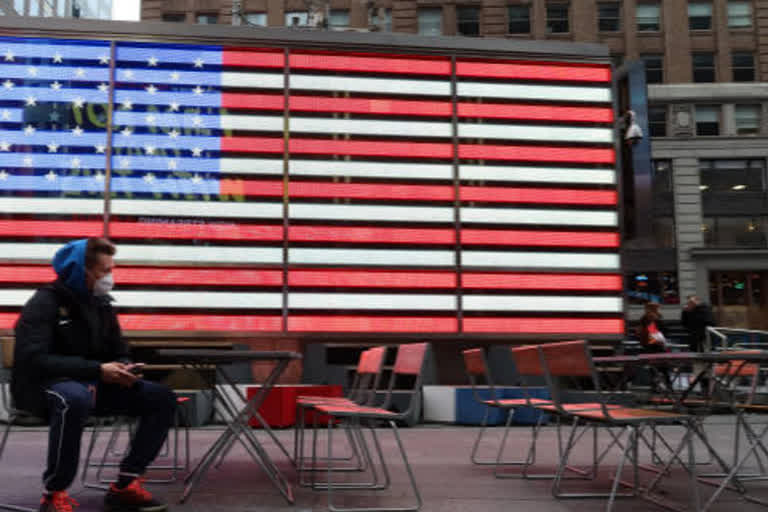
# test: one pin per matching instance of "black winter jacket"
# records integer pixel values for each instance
(60, 336)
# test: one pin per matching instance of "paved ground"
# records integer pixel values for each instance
(440, 457)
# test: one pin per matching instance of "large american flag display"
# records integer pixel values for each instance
(300, 191)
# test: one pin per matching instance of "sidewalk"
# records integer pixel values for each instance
(440, 459)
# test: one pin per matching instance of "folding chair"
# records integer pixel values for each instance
(13, 415)
(573, 359)
(408, 365)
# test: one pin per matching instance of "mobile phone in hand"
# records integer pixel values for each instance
(137, 369)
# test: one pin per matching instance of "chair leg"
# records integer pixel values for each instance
(3, 443)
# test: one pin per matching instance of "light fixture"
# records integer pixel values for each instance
(738, 187)
(703, 187)
(633, 132)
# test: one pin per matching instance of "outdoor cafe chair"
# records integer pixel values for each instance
(572, 359)
(409, 365)
(13, 415)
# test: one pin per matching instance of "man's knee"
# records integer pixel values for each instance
(159, 396)
(72, 398)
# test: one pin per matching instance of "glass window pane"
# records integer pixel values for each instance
(662, 176)
(431, 21)
(519, 19)
(557, 18)
(468, 21)
(381, 18)
(648, 17)
(207, 19)
(743, 66)
(174, 17)
(739, 14)
(338, 18)
(732, 175)
(657, 121)
(258, 19)
(654, 68)
(609, 19)
(747, 119)
(700, 16)
(703, 67)
(707, 120)
(296, 18)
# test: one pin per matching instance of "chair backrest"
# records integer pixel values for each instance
(730, 371)
(527, 361)
(476, 369)
(409, 363)
(569, 359)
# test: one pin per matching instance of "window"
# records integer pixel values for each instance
(657, 121)
(468, 21)
(609, 16)
(654, 68)
(743, 66)
(382, 18)
(747, 119)
(207, 19)
(732, 175)
(648, 17)
(734, 232)
(174, 17)
(707, 119)
(739, 14)
(431, 21)
(296, 18)
(703, 67)
(661, 287)
(338, 18)
(257, 19)
(557, 18)
(662, 176)
(519, 19)
(700, 16)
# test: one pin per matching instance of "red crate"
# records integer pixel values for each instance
(279, 407)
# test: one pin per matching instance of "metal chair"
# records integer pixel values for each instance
(13, 415)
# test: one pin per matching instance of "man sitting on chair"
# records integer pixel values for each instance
(71, 362)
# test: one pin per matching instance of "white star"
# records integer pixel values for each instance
(29, 130)
(127, 131)
(196, 179)
(77, 131)
(150, 119)
(128, 73)
(152, 61)
(102, 87)
(197, 121)
(78, 102)
(151, 89)
(126, 105)
(175, 76)
(198, 90)
(6, 115)
(98, 176)
(125, 163)
(199, 62)
(51, 176)
(56, 85)
(4, 146)
(28, 161)
(104, 59)
(57, 59)
(150, 150)
(54, 116)
(8, 84)
(31, 101)
(32, 71)
(173, 133)
(3, 175)
(8, 56)
(197, 151)
(80, 72)
(75, 163)
(149, 177)
(100, 148)
(173, 164)
(53, 147)
(173, 107)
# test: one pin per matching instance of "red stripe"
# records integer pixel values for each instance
(8, 320)
(540, 238)
(244, 100)
(26, 274)
(371, 278)
(538, 195)
(518, 281)
(250, 57)
(79, 228)
(371, 324)
(251, 188)
(536, 112)
(371, 106)
(564, 326)
(372, 191)
(539, 71)
(369, 64)
(537, 153)
(158, 322)
(170, 231)
(251, 144)
(371, 235)
(338, 147)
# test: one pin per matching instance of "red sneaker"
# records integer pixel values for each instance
(132, 498)
(58, 501)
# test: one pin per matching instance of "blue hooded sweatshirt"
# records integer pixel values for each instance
(69, 264)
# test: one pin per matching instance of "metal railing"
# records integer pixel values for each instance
(725, 338)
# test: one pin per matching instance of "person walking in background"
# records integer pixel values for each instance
(696, 317)
(650, 332)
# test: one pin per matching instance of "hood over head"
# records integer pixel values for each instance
(69, 264)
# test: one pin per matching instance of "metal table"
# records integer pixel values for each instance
(237, 428)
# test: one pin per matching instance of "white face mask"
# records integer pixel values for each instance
(103, 285)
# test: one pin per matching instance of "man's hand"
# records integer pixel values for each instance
(118, 373)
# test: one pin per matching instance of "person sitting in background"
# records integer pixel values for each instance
(652, 338)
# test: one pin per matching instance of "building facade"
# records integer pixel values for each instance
(706, 65)
(86, 9)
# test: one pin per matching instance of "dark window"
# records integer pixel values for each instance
(661, 287)
(707, 119)
(468, 21)
(609, 16)
(557, 18)
(703, 67)
(657, 121)
(519, 19)
(743, 65)
(732, 175)
(430, 21)
(207, 19)
(700, 16)
(174, 17)
(734, 232)
(338, 18)
(648, 17)
(662, 176)
(654, 68)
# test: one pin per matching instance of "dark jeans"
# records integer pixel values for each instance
(71, 402)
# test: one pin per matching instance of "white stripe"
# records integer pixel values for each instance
(198, 209)
(373, 85)
(370, 127)
(260, 80)
(544, 133)
(207, 300)
(263, 123)
(371, 257)
(371, 169)
(542, 303)
(155, 254)
(523, 260)
(61, 435)
(53, 205)
(371, 301)
(251, 166)
(537, 174)
(533, 216)
(370, 212)
(533, 92)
